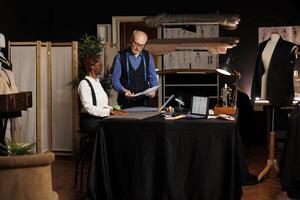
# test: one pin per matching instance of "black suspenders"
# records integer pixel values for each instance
(93, 92)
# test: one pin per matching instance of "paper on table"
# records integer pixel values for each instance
(145, 92)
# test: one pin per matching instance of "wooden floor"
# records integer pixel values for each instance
(269, 189)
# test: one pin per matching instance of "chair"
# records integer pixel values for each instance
(27, 177)
(82, 163)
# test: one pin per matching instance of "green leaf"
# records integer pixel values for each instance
(117, 107)
(13, 148)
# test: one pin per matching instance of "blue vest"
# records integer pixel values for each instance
(134, 80)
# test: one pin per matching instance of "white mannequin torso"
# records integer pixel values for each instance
(266, 58)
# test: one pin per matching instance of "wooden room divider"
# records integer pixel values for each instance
(47, 69)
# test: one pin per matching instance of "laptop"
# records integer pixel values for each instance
(199, 108)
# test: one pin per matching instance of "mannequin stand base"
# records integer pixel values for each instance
(271, 163)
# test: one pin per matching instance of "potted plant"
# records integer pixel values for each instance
(13, 148)
(30, 172)
(91, 46)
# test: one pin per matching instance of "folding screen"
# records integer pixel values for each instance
(30, 61)
(46, 69)
(64, 116)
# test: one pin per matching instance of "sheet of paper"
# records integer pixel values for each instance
(134, 115)
(141, 109)
(146, 92)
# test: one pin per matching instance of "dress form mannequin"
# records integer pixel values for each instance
(8, 86)
(277, 61)
(266, 58)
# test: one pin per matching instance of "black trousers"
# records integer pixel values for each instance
(89, 123)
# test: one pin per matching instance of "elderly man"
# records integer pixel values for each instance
(133, 72)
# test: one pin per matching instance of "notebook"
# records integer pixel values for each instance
(199, 108)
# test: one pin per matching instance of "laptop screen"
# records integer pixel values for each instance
(199, 105)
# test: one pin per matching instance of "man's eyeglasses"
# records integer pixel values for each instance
(138, 45)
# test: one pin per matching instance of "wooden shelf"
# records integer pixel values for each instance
(212, 45)
(186, 71)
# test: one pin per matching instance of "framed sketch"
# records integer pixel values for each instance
(199, 105)
(104, 31)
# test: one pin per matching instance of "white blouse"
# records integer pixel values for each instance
(85, 93)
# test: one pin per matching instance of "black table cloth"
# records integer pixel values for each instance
(291, 156)
(156, 159)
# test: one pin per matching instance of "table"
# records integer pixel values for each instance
(157, 159)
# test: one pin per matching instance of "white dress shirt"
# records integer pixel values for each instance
(85, 93)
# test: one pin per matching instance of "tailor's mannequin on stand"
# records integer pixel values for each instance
(280, 58)
(273, 81)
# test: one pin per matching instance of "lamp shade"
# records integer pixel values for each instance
(227, 68)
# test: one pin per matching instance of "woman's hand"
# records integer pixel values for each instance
(118, 112)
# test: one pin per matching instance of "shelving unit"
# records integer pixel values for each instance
(188, 58)
(198, 84)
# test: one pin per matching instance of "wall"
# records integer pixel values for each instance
(68, 20)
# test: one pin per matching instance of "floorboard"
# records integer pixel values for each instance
(269, 189)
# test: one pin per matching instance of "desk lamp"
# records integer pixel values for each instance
(228, 70)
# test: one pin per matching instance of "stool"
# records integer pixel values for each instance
(82, 163)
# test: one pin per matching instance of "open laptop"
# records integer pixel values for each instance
(199, 108)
